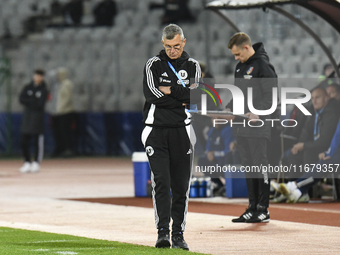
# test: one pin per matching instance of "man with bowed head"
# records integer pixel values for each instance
(168, 137)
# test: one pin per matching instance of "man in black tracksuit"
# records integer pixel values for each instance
(33, 97)
(167, 135)
(253, 70)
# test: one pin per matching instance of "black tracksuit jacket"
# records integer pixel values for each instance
(33, 98)
(167, 110)
(258, 73)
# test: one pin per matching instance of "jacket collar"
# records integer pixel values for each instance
(175, 62)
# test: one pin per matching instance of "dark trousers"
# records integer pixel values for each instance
(62, 130)
(169, 152)
(253, 152)
(38, 146)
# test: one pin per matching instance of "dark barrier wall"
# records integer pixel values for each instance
(115, 133)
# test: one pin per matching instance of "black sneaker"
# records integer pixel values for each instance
(178, 241)
(259, 217)
(245, 216)
(163, 240)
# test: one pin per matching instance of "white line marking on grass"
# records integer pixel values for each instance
(41, 250)
(53, 241)
(66, 252)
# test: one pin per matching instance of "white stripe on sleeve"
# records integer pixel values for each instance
(149, 77)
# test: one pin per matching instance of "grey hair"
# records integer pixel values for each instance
(170, 31)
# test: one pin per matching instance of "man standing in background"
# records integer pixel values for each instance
(253, 71)
(33, 97)
(63, 117)
(104, 13)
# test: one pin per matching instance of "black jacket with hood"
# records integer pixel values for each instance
(167, 110)
(258, 73)
(33, 98)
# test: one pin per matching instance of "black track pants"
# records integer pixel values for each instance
(253, 152)
(170, 152)
(38, 146)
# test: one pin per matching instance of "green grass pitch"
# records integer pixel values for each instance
(22, 242)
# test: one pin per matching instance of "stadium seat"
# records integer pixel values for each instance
(108, 53)
(114, 34)
(44, 6)
(130, 101)
(329, 42)
(83, 34)
(279, 64)
(107, 56)
(195, 6)
(99, 96)
(138, 21)
(67, 34)
(274, 48)
(99, 34)
(290, 46)
(124, 20)
(154, 17)
(307, 47)
(311, 66)
(24, 9)
(8, 9)
(112, 103)
(127, 5)
(294, 65)
(81, 96)
(150, 34)
(2, 27)
(15, 27)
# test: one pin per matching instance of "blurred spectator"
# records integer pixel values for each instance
(174, 11)
(104, 13)
(317, 132)
(296, 191)
(333, 91)
(33, 97)
(63, 117)
(292, 134)
(326, 72)
(219, 140)
(73, 12)
(37, 20)
(56, 8)
(57, 16)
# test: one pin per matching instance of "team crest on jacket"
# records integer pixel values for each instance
(149, 150)
(183, 74)
(250, 70)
